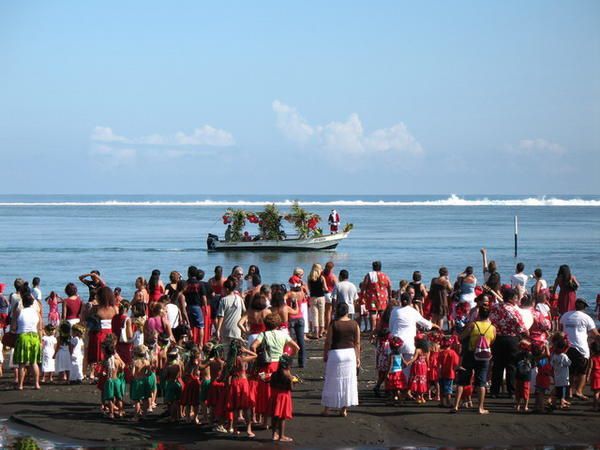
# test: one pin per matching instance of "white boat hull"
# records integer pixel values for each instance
(325, 242)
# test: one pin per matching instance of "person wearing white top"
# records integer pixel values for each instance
(28, 349)
(173, 315)
(578, 326)
(345, 292)
(403, 324)
(519, 279)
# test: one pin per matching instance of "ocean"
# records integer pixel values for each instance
(58, 237)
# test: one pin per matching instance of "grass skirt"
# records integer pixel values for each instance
(28, 349)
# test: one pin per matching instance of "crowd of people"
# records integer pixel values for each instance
(220, 351)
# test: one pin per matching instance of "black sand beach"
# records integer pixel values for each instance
(73, 412)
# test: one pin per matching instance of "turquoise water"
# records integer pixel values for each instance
(61, 237)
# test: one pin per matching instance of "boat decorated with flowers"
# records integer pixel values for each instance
(271, 235)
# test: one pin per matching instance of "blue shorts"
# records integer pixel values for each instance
(470, 364)
(446, 386)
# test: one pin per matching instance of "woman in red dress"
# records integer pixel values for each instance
(568, 286)
(99, 321)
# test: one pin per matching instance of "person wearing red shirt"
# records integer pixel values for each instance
(448, 361)
(377, 290)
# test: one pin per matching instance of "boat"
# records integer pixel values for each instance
(289, 244)
(271, 236)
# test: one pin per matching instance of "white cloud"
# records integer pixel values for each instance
(205, 135)
(345, 137)
(113, 156)
(291, 124)
(105, 134)
(537, 147)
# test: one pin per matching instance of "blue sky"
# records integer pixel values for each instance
(337, 97)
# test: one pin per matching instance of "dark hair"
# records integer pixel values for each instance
(71, 289)
(328, 267)
(343, 275)
(595, 347)
(278, 299)
(219, 272)
(105, 297)
(26, 295)
(272, 321)
(192, 272)
(124, 306)
(265, 290)
(422, 344)
(538, 273)
(405, 299)
(493, 281)
(258, 302)
(527, 300)
(376, 266)
(19, 282)
(417, 276)
(443, 271)
(117, 290)
(469, 270)
(95, 272)
(36, 281)
(229, 284)
(492, 266)
(109, 345)
(342, 310)
(580, 304)
(256, 270)
(509, 294)
(564, 273)
(520, 267)
(256, 280)
(483, 311)
(200, 273)
(153, 281)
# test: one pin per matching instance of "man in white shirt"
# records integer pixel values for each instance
(519, 279)
(403, 324)
(345, 292)
(578, 326)
(231, 309)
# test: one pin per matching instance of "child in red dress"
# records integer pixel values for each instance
(419, 369)
(190, 397)
(594, 373)
(382, 360)
(281, 399)
(433, 372)
(395, 383)
(239, 399)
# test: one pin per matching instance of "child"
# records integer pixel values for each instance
(419, 368)
(114, 386)
(76, 350)
(190, 397)
(560, 363)
(48, 350)
(467, 395)
(543, 378)
(138, 332)
(396, 381)
(204, 369)
(240, 400)
(382, 347)
(281, 399)
(448, 362)
(139, 392)
(53, 301)
(4, 305)
(62, 353)
(524, 366)
(593, 374)
(433, 373)
(216, 393)
(173, 386)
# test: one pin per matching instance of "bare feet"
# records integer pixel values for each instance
(285, 439)
(483, 411)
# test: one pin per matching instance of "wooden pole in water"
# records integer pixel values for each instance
(516, 235)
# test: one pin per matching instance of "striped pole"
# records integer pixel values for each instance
(516, 235)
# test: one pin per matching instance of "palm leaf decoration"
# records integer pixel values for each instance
(270, 223)
(237, 219)
(304, 221)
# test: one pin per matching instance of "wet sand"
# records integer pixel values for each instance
(73, 412)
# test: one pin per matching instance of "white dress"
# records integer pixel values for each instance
(63, 359)
(76, 373)
(48, 349)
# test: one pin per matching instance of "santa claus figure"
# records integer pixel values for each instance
(334, 221)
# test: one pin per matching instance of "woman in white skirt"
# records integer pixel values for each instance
(342, 355)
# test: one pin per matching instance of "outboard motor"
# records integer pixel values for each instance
(210, 241)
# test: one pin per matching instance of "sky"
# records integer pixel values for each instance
(300, 97)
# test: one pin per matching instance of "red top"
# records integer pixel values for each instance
(376, 294)
(73, 307)
(117, 324)
(543, 378)
(216, 286)
(329, 281)
(256, 328)
(448, 361)
(507, 319)
(159, 291)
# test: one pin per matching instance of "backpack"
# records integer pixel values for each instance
(482, 348)
(524, 368)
